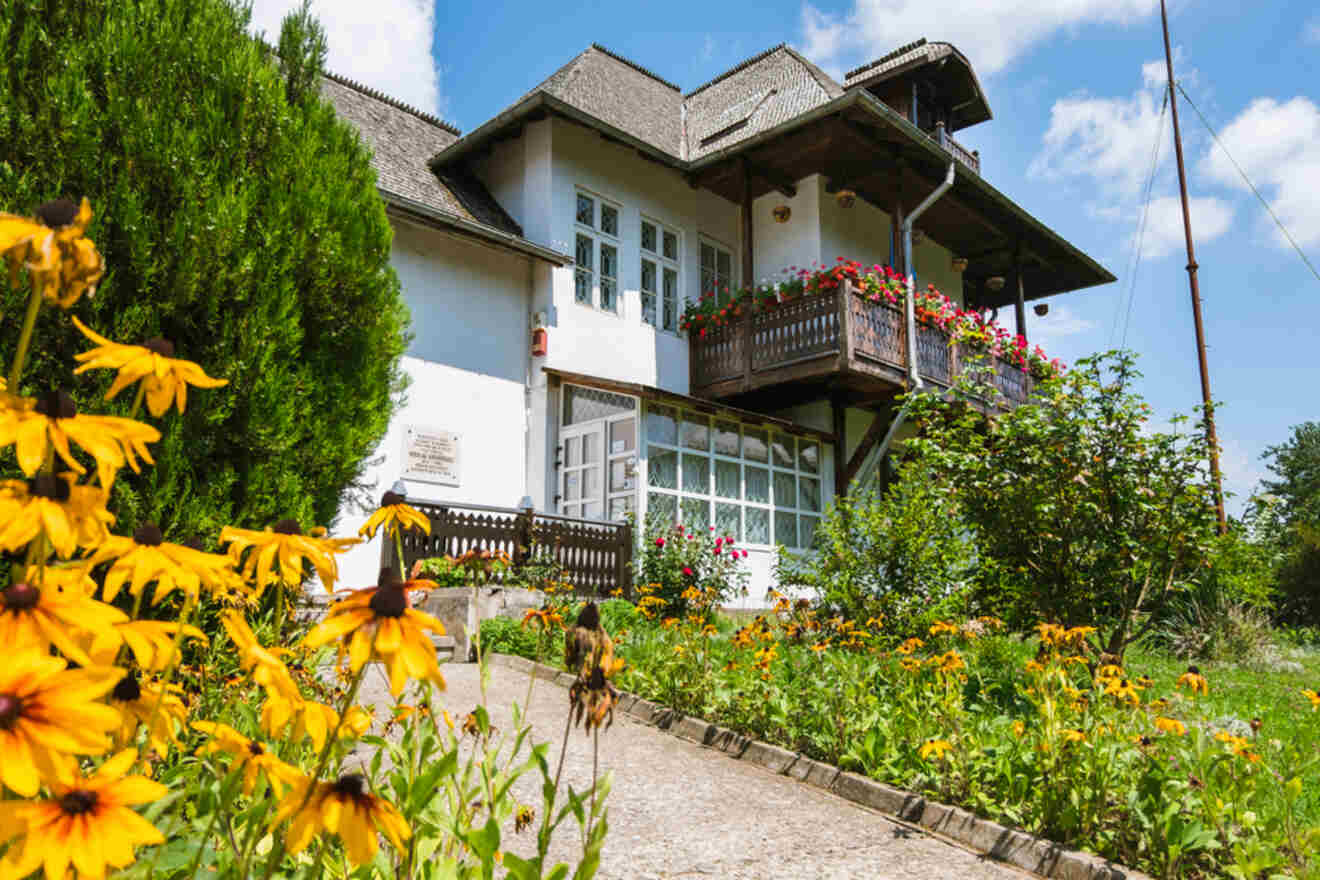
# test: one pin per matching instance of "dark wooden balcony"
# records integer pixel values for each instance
(831, 343)
(969, 158)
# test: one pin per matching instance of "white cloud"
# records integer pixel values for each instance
(1242, 472)
(385, 44)
(1107, 139)
(1164, 235)
(991, 33)
(1059, 323)
(1278, 146)
(1312, 32)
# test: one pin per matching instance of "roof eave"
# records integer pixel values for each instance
(420, 212)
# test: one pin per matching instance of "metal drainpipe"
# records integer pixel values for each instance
(910, 308)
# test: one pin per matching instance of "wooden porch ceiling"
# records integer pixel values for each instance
(857, 150)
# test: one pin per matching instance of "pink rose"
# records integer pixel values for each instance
(717, 551)
(659, 542)
(719, 542)
(687, 571)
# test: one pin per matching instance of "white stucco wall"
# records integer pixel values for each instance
(468, 367)
(621, 346)
(795, 242)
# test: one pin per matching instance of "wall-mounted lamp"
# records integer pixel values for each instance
(846, 198)
(781, 213)
(995, 283)
(1042, 309)
(959, 264)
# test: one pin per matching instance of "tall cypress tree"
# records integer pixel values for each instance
(238, 218)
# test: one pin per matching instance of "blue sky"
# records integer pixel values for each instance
(1077, 108)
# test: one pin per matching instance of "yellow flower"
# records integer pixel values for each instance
(165, 378)
(40, 611)
(150, 641)
(86, 824)
(941, 628)
(69, 515)
(156, 707)
(1108, 671)
(281, 551)
(1019, 729)
(53, 247)
(252, 756)
(267, 669)
(381, 615)
(910, 645)
(936, 747)
(147, 557)
(1123, 690)
(53, 422)
(1314, 697)
(1072, 735)
(1171, 725)
(395, 515)
(344, 807)
(311, 720)
(1194, 681)
(47, 711)
(951, 661)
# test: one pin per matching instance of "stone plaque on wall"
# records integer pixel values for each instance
(431, 455)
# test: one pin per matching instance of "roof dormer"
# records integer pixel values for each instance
(928, 83)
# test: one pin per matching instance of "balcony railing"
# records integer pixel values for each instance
(970, 158)
(817, 336)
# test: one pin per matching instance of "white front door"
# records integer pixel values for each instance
(598, 476)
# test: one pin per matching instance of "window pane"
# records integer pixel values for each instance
(648, 236)
(586, 211)
(573, 485)
(609, 220)
(786, 529)
(584, 255)
(709, 283)
(781, 447)
(808, 493)
(588, 404)
(662, 468)
(707, 256)
(671, 245)
(696, 514)
(590, 448)
(723, 265)
(727, 441)
(608, 300)
(620, 507)
(661, 426)
(807, 529)
(727, 479)
(758, 484)
(758, 525)
(648, 275)
(621, 479)
(696, 474)
(623, 436)
(648, 308)
(609, 260)
(728, 521)
(696, 432)
(662, 507)
(570, 509)
(591, 482)
(785, 490)
(592, 510)
(671, 298)
(808, 457)
(582, 287)
(754, 447)
(572, 451)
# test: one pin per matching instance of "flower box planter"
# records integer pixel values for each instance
(462, 609)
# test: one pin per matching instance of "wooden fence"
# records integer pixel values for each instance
(596, 556)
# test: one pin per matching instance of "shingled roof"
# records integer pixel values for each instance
(922, 55)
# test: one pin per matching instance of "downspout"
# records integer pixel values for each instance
(910, 308)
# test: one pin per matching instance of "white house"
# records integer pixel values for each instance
(604, 199)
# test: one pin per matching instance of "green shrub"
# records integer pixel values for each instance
(245, 229)
(685, 564)
(504, 635)
(441, 569)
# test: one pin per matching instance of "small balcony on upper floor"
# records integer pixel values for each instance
(970, 158)
(832, 344)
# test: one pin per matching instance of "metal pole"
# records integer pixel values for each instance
(1210, 437)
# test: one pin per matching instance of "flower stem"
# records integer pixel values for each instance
(137, 401)
(25, 337)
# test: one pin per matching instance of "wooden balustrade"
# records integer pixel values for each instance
(815, 335)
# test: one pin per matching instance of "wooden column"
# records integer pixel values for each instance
(1020, 303)
(748, 265)
(840, 412)
(900, 257)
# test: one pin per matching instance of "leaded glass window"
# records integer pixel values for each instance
(660, 261)
(587, 404)
(596, 253)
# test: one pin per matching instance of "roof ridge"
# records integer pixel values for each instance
(915, 44)
(737, 67)
(393, 102)
(634, 65)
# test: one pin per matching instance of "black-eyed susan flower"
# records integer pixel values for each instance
(395, 514)
(344, 807)
(52, 421)
(1072, 735)
(48, 710)
(1314, 697)
(1171, 725)
(1194, 681)
(943, 628)
(69, 515)
(147, 556)
(155, 706)
(150, 641)
(311, 720)
(910, 645)
(936, 747)
(523, 818)
(250, 756)
(165, 378)
(589, 655)
(378, 622)
(265, 667)
(280, 552)
(40, 612)
(86, 824)
(63, 263)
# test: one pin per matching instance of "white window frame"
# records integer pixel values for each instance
(704, 241)
(599, 241)
(667, 306)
